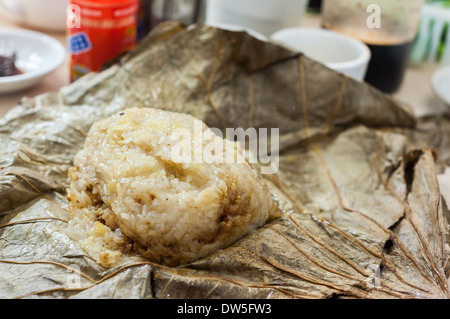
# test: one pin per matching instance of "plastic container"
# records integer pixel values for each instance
(98, 32)
(388, 28)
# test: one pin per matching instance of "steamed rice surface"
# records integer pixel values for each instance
(129, 193)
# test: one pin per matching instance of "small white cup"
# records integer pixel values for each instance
(339, 52)
(263, 16)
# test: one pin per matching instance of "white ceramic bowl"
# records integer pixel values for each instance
(440, 82)
(37, 55)
(335, 50)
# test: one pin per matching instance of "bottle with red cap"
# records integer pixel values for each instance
(98, 32)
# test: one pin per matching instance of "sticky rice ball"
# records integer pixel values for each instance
(146, 183)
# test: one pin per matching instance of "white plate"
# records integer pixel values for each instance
(37, 55)
(440, 82)
(43, 14)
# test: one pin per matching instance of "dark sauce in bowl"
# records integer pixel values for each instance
(8, 66)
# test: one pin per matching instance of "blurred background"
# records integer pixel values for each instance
(414, 35)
